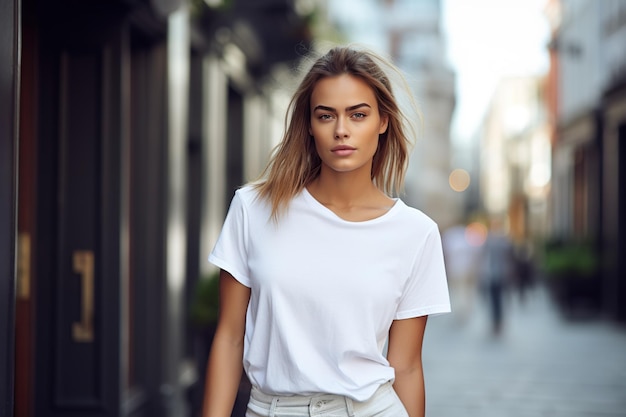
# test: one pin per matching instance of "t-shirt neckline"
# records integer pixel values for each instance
(328, 212)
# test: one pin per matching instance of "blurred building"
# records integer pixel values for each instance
(516, 157)
(134, 121)
(588, 115)
(417, 44)
(466, 158)
(409, 32)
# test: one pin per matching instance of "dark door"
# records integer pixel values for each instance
(79, 269)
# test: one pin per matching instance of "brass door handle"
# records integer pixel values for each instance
(23, 266)
(83, 262)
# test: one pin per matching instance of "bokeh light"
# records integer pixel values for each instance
(459, 180)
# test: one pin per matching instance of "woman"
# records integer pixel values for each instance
(320, 268)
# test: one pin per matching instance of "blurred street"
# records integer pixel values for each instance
(540, 364)
(127, 126)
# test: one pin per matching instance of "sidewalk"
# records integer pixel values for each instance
(540, 365)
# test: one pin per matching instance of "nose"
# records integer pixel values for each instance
(341, 129)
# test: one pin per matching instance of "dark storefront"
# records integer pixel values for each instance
(107, 214)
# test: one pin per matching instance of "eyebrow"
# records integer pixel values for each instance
(331, 109)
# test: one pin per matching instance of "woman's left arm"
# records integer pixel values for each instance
(405, 356)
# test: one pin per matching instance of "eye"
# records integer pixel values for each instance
(324, 117)
(359, 115)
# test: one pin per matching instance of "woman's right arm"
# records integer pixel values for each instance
(225, 360)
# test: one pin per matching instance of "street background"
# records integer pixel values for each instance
(541, 364)
(128, 124)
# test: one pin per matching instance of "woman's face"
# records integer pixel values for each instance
(345, 123)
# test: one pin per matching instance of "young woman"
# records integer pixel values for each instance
(320, 268)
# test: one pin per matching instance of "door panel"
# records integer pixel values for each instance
(76, 368)
(79, 216)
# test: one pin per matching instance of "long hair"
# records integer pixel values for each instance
(295, 162)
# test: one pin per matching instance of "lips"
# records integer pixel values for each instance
(343, 150)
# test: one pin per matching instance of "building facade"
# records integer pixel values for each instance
(134, 121)
(588, 107)
(515, 158)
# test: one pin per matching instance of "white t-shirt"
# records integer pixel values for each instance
(324, 291)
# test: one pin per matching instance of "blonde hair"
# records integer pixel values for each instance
(295, 162)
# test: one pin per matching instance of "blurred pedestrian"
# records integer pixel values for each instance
(524, 273)
(462, 246)
(496, 271)
(321, 268)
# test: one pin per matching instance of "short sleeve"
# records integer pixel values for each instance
(230, 251)
(426, 291)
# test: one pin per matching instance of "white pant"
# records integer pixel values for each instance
(384, 403)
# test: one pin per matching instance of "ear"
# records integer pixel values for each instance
(384, 123)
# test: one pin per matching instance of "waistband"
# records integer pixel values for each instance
(306, 400)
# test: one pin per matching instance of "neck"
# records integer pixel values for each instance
(343, 189)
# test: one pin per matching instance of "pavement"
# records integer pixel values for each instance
(540, 364)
